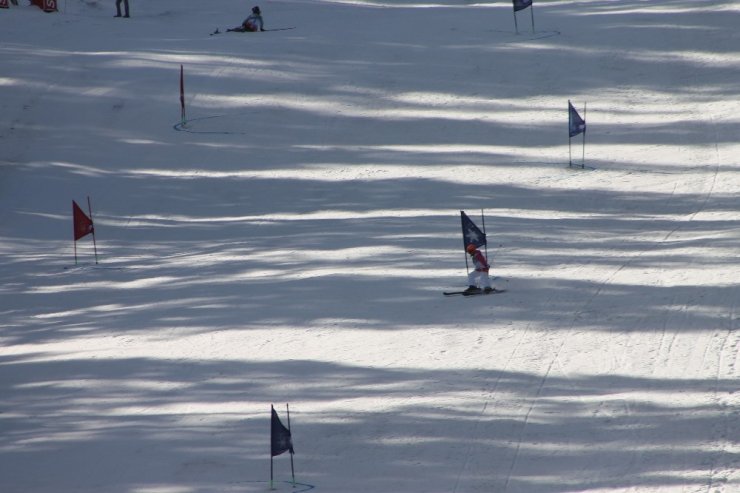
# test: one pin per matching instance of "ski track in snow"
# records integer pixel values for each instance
(665, 349)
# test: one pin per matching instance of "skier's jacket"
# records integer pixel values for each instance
(253, 23)
(479, 261)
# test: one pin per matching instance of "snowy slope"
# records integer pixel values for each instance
(291, 244)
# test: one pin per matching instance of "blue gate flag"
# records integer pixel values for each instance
(280, 438)
(576, 124)
(471, 232)
(521, 4)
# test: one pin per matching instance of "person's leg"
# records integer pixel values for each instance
(473, 281)
(485, 281)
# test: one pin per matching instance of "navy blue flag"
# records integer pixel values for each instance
(280, 438)
(521, 4)
(471, 232)
(576, 124)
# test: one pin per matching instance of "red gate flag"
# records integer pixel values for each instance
(4, 4)
(83, 225)
(45, 5)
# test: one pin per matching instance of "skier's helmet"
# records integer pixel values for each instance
(256, 10)
(470, 248)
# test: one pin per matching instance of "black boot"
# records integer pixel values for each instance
(472, 289)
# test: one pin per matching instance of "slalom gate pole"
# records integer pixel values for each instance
(95, 246)
(570, 159)
(531, 13)
(570, 154)
(465, 253)
(292, 470)
(74, 231)
(183, 119)
(583, 155)
(483, 222)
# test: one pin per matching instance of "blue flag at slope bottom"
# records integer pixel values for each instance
(576, 124)
(521, 4)
(471, 232)
(280, 438)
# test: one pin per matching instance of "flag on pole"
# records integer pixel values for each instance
(471, 232)
(83, 225)
(280, 438)
(182, 95)
(521, 4)
(576, 124)
(280, 441)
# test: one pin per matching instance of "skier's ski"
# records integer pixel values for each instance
(473, 293)
(264, 30)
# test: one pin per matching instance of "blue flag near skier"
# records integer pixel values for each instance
(471, 233)
(521, 4)
(576, 124)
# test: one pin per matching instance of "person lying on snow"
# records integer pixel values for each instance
(251, 24)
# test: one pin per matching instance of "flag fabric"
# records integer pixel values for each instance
(471, 232)
(83, 225)
(182, 92)
(521, 4)
(280, 438)
(576, 124)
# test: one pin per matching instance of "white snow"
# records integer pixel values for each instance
(292, 246)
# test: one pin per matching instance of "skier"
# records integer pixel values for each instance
(478, 276)
(251, 24)
(118, 8)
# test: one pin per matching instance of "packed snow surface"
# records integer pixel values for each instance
(290, 244)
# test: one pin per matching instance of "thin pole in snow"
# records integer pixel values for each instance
(292, 470)
(74, 231)
(570, 138)
(570, 159)
(95, 246)
(583, 155)
(465, 246)
(483, 221)
(271, 469)
(531, 12)
(183, 119)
